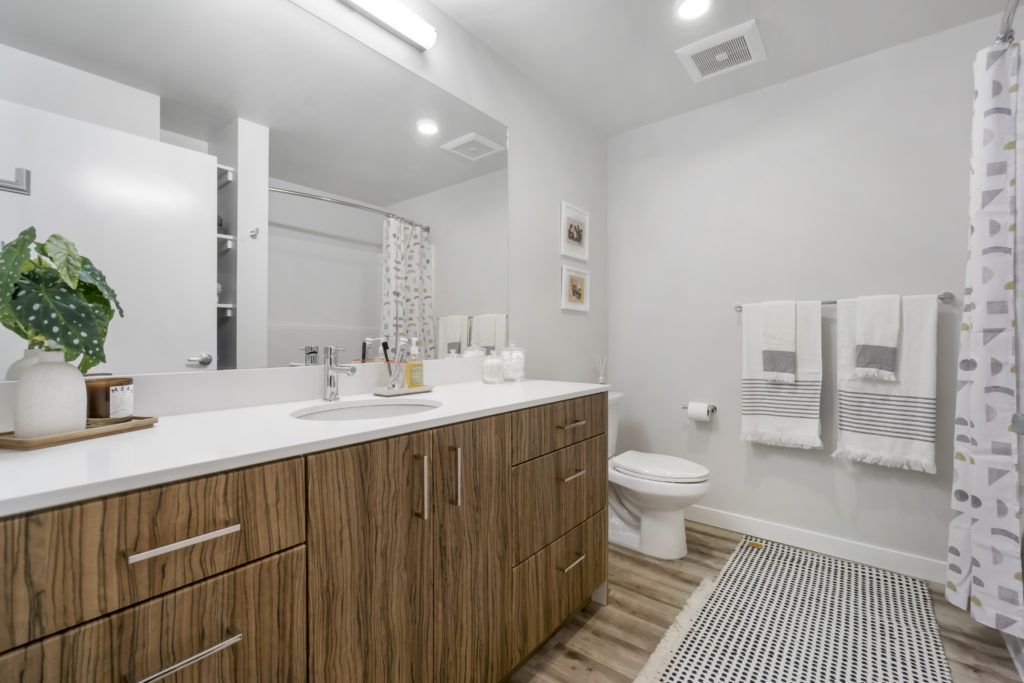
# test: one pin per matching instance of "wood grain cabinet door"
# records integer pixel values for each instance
(472, 558)
(248, 624)
(551, 426)
(370, 561)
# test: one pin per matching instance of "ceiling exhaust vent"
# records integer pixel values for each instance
(727, 51)
(472, 146)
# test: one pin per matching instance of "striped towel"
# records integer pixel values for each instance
(783, 414)
(890, 423)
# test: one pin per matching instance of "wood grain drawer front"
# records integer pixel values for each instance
(546, 428)
(65, 566)
(248, 625)
(557, 582)
(556, 492)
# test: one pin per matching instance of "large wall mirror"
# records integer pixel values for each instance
(291, 194)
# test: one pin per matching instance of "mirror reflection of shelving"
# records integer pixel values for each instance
(227, 267)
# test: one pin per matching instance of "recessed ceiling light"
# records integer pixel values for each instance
(399, 19)
(426, 127)
(693, 9)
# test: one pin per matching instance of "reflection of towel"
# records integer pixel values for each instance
(778, 341)
(783, 414)
(452, 334)
(890, 423)
(878, 337)
(489, 331)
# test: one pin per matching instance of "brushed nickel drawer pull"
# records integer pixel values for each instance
(426, 487)
(574, 425)
(576, 562)
(173, 668)
(458, 477)
(574, 475)
(195, 540)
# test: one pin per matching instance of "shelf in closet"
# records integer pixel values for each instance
(225, 241)
(225, 175)
(226, 310)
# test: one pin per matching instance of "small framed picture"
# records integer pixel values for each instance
(575, 289)
(575, 232)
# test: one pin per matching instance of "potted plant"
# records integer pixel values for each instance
(61, 303)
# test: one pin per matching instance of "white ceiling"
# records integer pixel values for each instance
(342, 116)
(613, 62)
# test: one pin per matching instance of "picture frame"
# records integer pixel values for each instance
(574, 232)
(575, 289)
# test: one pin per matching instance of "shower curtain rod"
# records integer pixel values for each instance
(1006, 26)
(944, 297)
(352, 205)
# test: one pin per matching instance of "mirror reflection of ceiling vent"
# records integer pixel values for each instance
(726, 51)
(472, 146)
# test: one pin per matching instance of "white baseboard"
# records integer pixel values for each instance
(886, 558)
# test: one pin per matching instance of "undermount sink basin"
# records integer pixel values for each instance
(368, 409)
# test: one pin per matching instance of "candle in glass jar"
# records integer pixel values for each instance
(110, 397)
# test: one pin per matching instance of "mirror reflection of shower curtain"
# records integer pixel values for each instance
(407, 289)
(984, 555)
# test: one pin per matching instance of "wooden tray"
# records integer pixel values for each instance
(8, 440)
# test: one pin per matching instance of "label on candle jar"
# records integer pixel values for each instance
(122, 400)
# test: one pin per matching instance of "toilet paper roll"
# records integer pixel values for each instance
(700, 412)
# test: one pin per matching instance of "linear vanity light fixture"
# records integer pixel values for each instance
(399, 19)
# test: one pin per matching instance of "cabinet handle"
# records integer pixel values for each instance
(574, 475)
(426, 487)
(458, 477)
(575, 563)
(202, 538)
(224, 644)
(574, 425)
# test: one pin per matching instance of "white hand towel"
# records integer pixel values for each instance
(452, 333)
(878, 337)
(890, 423)
(489, 331)
(778, 341)
(783, 414)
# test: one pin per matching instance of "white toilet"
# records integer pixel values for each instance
(647, 493)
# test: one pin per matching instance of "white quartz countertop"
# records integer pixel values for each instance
(195, 444)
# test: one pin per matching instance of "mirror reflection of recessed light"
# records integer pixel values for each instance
(426, 127)
(693, 9)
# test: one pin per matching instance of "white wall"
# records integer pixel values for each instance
(552, 157)
(845, 182)
(54, 87)
(325, 273)
(469, 232)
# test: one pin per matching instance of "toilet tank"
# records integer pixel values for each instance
(614, 410)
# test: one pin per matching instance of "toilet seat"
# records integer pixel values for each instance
(659, 467)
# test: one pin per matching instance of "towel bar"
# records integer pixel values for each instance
(944, 297)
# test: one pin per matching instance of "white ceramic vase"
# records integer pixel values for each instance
(19, 366)
(50, 398)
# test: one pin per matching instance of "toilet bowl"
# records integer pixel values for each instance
(647, 495)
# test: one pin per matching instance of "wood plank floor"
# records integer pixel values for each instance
(611, 644)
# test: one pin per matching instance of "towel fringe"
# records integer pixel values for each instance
(885, 459)
(784, 440)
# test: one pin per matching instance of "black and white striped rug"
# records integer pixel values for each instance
(779, 613)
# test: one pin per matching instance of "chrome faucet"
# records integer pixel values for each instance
(331, 370)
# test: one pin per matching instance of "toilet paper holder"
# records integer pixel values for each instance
(711, 406)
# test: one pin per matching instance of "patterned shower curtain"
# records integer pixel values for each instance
(984, 569)
(407, 291)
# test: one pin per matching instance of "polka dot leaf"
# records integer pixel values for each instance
(13, 258)
(64, 255)
(44, 302)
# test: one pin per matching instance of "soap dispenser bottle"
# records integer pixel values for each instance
(414, 368)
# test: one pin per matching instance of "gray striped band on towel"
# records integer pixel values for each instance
(876, 357)
(898, 417)
(778, 361)
(801, 399)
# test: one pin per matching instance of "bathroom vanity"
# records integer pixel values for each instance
(443, 546)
